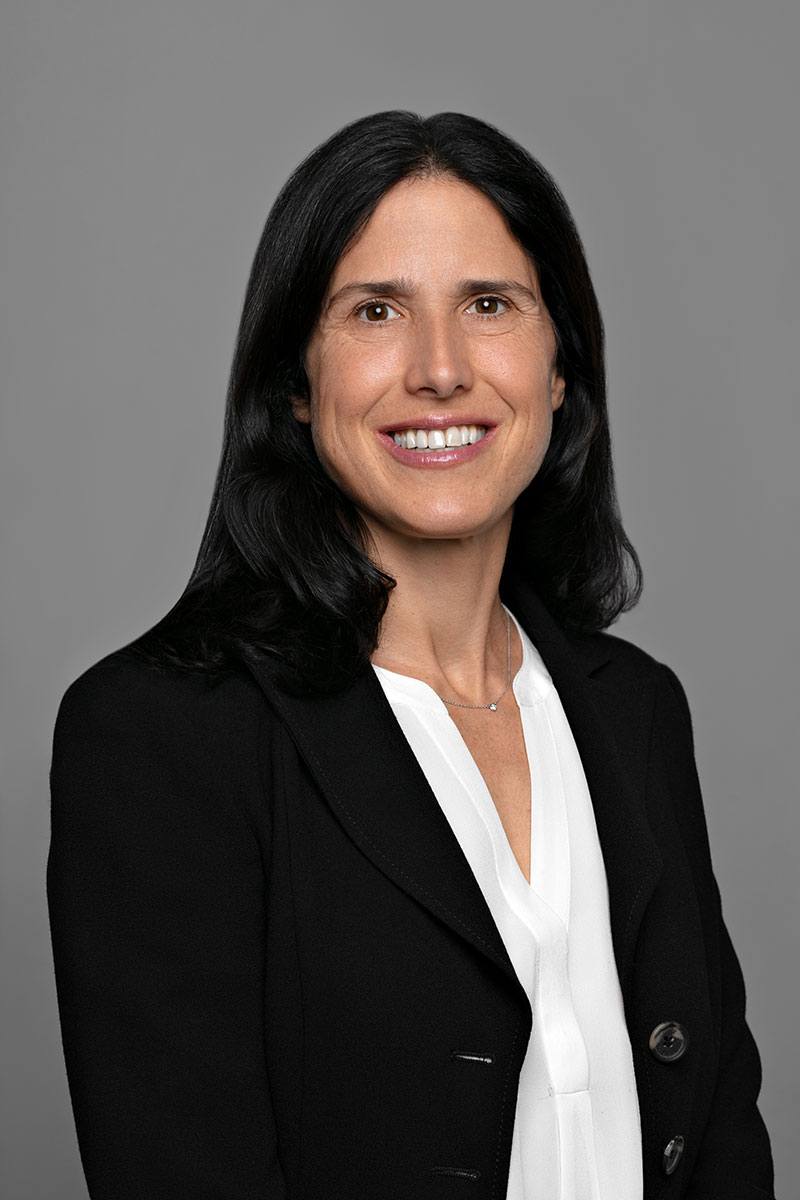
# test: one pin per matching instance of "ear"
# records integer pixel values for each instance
(301, 409)
(557, 388)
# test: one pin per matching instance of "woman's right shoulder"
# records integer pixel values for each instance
(123, 696)
(125, 677)
(146, 744)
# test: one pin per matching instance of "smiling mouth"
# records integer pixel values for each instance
(406, 445)
(453, 437)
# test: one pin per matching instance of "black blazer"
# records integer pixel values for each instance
(278, 978)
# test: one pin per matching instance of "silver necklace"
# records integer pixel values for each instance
(494, 703)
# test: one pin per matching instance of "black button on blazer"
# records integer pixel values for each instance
(278, 978)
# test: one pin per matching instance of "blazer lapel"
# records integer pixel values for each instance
(361, 761)
(611, 724)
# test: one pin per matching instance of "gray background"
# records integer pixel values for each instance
(142, 145)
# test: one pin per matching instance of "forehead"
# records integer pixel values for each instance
(433, 226)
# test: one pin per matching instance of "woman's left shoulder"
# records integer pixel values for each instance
(623, 659)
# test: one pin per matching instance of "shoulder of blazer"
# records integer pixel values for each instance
(621, 657)
(178, 727)
(123, 682)
(623, 665)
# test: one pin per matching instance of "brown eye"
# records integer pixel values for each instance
(485, 306)
(379, 307)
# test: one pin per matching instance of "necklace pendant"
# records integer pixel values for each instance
(493, 707)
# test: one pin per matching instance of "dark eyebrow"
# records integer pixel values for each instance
(405, 288)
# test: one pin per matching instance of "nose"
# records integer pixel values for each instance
(438, 357)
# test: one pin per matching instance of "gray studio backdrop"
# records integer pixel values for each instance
(142, 145)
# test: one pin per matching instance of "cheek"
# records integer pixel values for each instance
(362, 369)
(517, 368)
(343, 391)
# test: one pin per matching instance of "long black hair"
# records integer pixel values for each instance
(283, 569)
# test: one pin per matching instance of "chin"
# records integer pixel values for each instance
(442, 528)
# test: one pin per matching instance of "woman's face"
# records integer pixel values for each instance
(433, 320)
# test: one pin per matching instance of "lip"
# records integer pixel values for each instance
(436, 458)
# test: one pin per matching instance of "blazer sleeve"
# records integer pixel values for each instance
(734, 1157)
(155, 896)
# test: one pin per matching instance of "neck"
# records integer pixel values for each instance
(445, 622)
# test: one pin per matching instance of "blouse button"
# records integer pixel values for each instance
(668, 1041)
(672, 1154)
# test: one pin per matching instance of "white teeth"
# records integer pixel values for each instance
(439, 439)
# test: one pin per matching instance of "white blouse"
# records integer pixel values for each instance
(576, 1134)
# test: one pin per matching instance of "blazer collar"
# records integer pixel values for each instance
(363, 765)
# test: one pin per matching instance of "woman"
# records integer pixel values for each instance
(378, 869)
